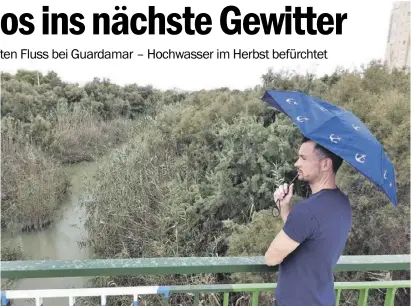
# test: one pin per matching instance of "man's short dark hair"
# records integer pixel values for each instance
(336, 160)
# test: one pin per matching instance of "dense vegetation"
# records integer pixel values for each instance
(197, 171)
(47, 123)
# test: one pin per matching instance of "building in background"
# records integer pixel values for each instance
(397, 53)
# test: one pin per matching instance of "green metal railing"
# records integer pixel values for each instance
(255, 290)
(195, 265)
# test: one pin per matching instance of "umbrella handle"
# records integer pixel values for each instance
(278, 201)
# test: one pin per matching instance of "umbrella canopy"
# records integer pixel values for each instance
(339, 131)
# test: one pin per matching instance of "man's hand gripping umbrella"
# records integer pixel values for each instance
(282, 192)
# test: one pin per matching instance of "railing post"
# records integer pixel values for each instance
(337, 300)
(225, 301)
(103, 300)
(389, 297)
(196, 298)
(255, 298)
(362, 301)
(39, 301)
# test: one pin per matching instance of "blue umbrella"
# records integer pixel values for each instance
(339, 131)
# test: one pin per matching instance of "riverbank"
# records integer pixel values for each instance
(48, 123)
(63, 239)
(34, 178)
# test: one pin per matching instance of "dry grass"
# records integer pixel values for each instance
(33, 184)
(81, 136)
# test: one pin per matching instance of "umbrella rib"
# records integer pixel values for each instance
(335, 116)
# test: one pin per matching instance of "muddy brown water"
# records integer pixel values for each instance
(60, 240)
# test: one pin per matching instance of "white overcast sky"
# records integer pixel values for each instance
(364, 38)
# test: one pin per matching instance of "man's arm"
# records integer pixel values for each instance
(280, 247)
(299, 226)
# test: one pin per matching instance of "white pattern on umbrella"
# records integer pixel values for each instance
(291, 100)
(334, 138)
(356, 127)
(302, 118)
(360, 158)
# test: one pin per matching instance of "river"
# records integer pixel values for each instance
(59, 241)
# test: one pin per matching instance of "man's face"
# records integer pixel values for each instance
(308, 164)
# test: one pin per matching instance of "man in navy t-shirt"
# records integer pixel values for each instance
(314, 233)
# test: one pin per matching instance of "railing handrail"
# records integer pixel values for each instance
(181, 265)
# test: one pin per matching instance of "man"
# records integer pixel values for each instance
(314, 234)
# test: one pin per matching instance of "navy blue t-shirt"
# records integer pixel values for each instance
(321, 225)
